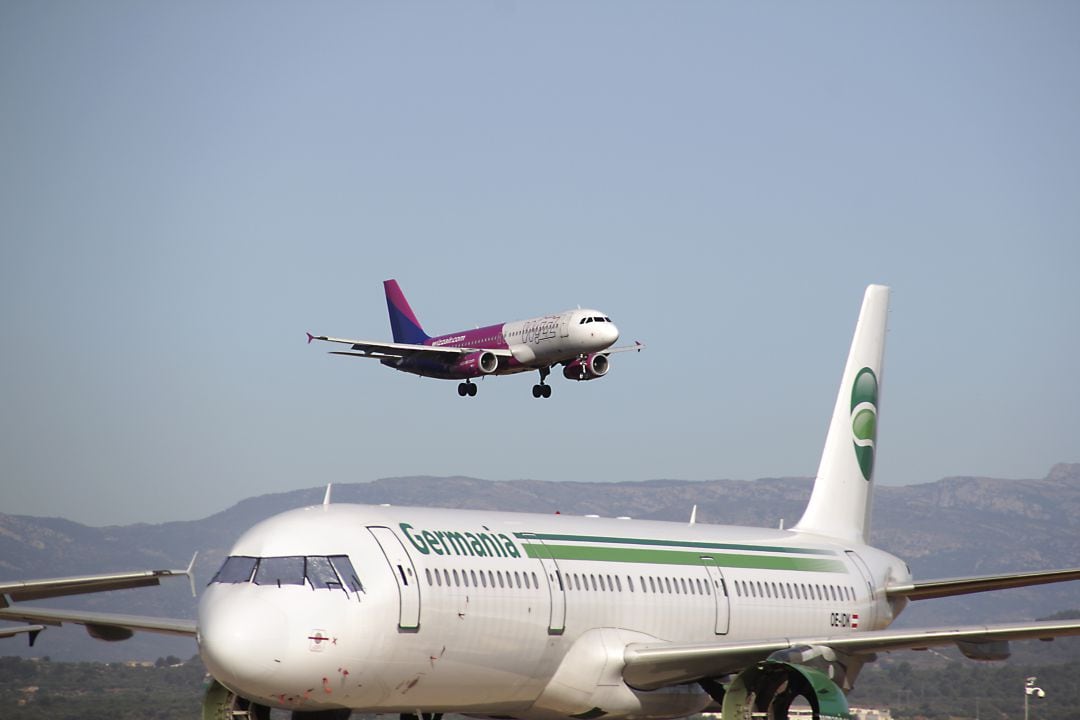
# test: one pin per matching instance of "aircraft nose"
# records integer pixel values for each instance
(613, 332)
(242, 640)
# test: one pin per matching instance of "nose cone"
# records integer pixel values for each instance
(612, 333)
(242, 638)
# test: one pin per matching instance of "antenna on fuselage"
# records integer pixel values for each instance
(326, 497)
(693, 515)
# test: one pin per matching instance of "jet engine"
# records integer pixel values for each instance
(476, 363)
(815, 674)
(589, 367)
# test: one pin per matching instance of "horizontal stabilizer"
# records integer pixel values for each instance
(963, 586)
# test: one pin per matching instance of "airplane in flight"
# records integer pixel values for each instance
(337, 608)
(579, 340)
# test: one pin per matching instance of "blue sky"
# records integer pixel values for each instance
(186, 188)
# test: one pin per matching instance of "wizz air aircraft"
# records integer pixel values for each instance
(579, 340)
(337, 608)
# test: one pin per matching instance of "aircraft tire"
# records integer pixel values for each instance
(472, 389)
(546, 392)
(537, 390)
(462, 389)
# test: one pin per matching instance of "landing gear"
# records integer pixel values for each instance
(542, 389)
(466, 388)
(221, 702)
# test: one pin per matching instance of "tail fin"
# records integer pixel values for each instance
(839, 505)
(403, 322)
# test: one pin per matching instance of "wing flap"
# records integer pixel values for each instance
(649, 666)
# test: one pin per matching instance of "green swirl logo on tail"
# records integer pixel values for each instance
(864, 396)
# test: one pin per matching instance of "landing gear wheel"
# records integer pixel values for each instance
(542, 390)
(462, 389)
(472, 390)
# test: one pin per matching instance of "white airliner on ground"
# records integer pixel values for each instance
(339, 607)
(579, 340)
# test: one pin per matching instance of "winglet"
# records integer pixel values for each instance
(326, 497)
(310, 337)
(190, 572)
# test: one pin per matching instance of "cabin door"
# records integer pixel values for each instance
(719, 593)
(408, 583)
(867, 576)
(557, 617)
(564, 325)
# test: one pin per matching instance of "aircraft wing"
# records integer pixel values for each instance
(639, 346)
(21, 590)
(649, 666)
(12, 631)
(962, 586)
(103, 626)
(378, 350)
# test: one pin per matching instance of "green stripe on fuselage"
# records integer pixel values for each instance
(680, 557)
(672, 543)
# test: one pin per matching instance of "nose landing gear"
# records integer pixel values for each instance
(466, 388)
(542, 389)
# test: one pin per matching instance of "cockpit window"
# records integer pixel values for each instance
(334, 572)
(237, 569)
(280, 571)
(346, 572)
(320, 573)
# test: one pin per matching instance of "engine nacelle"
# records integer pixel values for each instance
(476, 363)
(589, 367)
(770, 687)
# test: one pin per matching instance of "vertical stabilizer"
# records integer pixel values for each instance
(839, 505)
(403, 322)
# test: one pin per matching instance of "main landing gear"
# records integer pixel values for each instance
(542, 389)
(466, 388)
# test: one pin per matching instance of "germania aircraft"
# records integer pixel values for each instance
(579, 340)
(339, 607)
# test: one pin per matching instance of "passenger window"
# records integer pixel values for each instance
(602, 585)
(280, 571)
(237, 569)
(618, 584)
(652, 584)
(483, 579)
(536, 581)
(446, 576)
(427, 572)
(667, 582)
(517, 579)
(457, 582)
(500, 576)
(682, 581)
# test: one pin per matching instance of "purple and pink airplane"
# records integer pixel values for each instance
(579, 340)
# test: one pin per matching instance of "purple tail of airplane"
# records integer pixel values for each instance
(403, 322)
